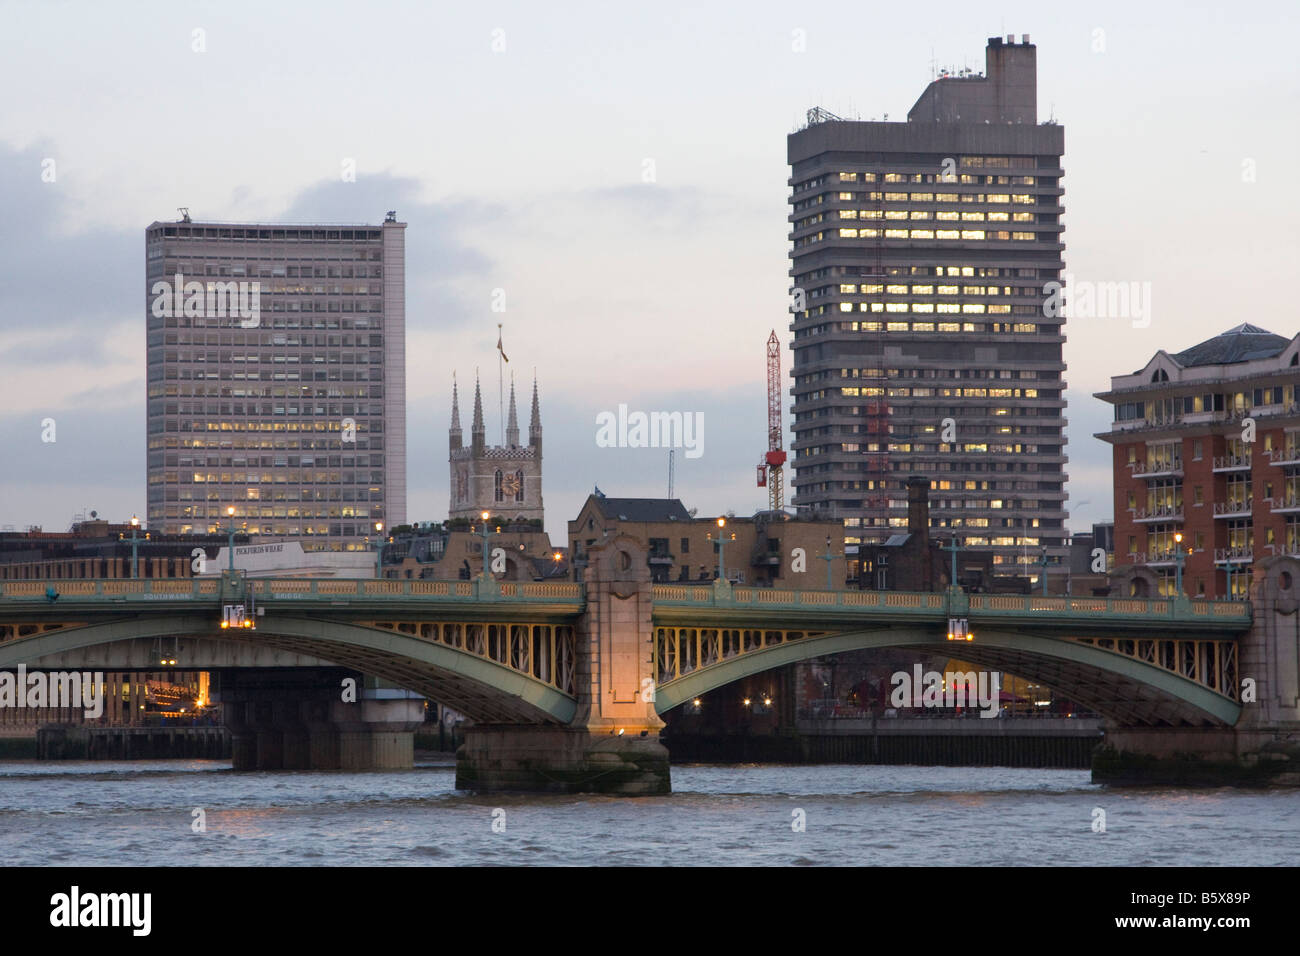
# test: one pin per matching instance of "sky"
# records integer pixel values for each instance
(619, 172)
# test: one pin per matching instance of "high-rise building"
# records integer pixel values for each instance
(276, 379)
(1207, 447)
(922, 344)
(505, 480)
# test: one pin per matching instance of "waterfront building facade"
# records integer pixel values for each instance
(1206, 445)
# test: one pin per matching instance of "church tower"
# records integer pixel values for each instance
(505, 480)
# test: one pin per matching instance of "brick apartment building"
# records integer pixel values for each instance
(1184, 463)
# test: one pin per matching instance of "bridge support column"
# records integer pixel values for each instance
(612, 745)
(1263, 748)
(298, 721)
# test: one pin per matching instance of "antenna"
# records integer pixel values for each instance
(670, 473)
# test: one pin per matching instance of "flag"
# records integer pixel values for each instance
(499, 348)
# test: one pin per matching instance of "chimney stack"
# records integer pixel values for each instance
(918, 524)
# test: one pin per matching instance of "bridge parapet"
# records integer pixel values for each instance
(272, 589)
(678, 601)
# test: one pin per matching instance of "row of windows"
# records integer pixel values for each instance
(848, 288)
(362, 493)
(807, 278)
(292, 476)
(302, 392)
(171, 373)
(945, 308)
(225, 266)
(191, 231)
(1172, 409)
(942, 215)
(253, 338)
(933, 234)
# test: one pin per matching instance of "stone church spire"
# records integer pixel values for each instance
(535, 424)
(512, 423)
(478, 433)
(454, 432)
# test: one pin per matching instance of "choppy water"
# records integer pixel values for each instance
(135, 813)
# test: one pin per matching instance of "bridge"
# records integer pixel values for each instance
(565, 682)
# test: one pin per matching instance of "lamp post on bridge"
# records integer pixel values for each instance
(1043, 561)
(483, 517)
(230, 515)
(1229, 568)
(828, 557)
(1178, 564)
(379, 549)
(722, 562)
(952, 549)
(135, 564)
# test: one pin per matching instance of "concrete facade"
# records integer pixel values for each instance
(290, 408)
(922, 344)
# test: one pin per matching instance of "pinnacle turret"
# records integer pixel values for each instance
(535, 423)
(454, 432)
(512, 422)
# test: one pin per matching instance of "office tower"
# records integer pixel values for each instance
(1207, 445)
(924, 342)
(276, 379)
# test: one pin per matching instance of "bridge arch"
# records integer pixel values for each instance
(1116, 686)
(483, 689)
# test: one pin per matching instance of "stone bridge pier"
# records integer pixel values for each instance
(297, 719)
(612, 744)
(1263, 747)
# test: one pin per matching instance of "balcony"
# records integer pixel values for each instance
(1288, 455)
(1236, 508)
(1288, 503)
(1159, 469)
(1159, 513)
(1154, 559)
(1231, 463)
(1239, 555)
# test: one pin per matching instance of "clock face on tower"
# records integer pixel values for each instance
(510, 484)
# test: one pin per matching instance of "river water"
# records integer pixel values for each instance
(141, 813)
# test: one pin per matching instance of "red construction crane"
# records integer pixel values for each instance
(769, 469)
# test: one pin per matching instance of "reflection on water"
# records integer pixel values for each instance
(133, 813)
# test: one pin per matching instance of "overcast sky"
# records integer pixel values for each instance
(522, 168)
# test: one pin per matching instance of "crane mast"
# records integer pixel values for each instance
(770, 468)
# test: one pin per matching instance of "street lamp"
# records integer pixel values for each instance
(1230, 567)
(722, 565)
(230, 514)
(1043, 562)
(952, 549)
(135, 564)
(484, 516)
(1178, 563)
(379, 549)
(828, 557)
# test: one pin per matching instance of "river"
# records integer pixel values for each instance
(142, 813)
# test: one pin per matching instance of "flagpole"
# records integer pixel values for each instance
(500, 389)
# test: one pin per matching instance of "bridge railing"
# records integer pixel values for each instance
(904, 602)
(271, 589)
